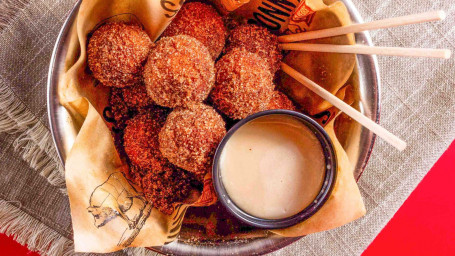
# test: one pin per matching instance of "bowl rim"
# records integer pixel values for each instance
(368, 67)
(324, 192)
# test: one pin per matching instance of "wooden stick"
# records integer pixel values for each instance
(354, 28)
(364, 49)
(341, 105)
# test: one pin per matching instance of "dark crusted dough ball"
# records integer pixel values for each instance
(141, 140)
(163, 189)
(136, 96)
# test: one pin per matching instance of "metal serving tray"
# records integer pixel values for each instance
(358, 147)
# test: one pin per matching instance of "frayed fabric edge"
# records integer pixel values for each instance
(28, 231)
(34, 142)
(36, 147)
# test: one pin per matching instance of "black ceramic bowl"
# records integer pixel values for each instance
(321, 198)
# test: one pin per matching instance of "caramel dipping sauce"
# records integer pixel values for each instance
(272, 167)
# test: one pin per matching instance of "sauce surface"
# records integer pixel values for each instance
(272, 167)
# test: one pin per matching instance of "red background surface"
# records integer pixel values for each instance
(424, 225)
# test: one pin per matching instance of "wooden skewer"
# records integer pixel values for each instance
(378, 24)
(364, 49)
(341, 105)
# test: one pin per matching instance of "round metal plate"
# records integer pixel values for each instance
(362, 143)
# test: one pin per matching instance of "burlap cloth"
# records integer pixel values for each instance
(418, 104)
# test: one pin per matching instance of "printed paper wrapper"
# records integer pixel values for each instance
(109, 212)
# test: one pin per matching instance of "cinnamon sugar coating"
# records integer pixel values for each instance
(116, 53)
(163, 189)
(190, 137)
(179, 72)
(141, 140)
(243, 84)
(127, 102)
(202, 22)
(136, 96)
(279, 100)
(120, 110)
(257, 40)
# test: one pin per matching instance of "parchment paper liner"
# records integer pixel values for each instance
(108, 211)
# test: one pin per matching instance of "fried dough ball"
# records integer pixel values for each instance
(141, 140)
(202, 22)
(136, 96)
(165, 188)
(126, 102)
(190, 137)
(279, 100)
(134, 174)
(257, 40)
(116, 53)
(179, 72)
(243, 84)
(120, 110)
